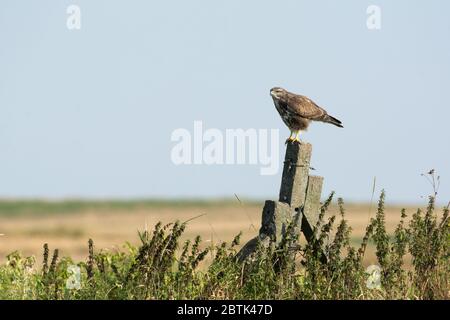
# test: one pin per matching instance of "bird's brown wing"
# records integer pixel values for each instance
(305, 107)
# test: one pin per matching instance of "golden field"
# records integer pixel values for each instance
(26, 225)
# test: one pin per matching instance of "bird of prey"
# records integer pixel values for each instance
(298, 111)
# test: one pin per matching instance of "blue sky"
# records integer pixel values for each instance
(90, 112)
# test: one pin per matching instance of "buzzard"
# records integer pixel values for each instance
(298, 111)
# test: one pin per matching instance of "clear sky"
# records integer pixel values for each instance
(90, 112)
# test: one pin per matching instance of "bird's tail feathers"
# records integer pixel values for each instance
(329, 119)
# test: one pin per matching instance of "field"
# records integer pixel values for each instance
(68, 225)
(133, 256)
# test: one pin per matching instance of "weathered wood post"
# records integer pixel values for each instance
(299, 198)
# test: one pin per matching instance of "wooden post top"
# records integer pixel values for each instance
(299, 198)
(295, 174)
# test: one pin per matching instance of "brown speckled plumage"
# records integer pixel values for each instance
(298, 111)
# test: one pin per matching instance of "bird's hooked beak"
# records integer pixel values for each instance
(276, 92)
(273, 93)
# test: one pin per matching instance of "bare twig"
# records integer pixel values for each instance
(246, 213)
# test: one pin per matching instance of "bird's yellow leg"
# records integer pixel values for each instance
(290, 137)
(296, 137)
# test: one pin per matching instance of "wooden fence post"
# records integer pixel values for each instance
(299, 195)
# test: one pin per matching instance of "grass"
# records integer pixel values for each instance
(163, 266)
(43, 207)
(110, 228)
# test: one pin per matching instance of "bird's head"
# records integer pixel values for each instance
(277, 92)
